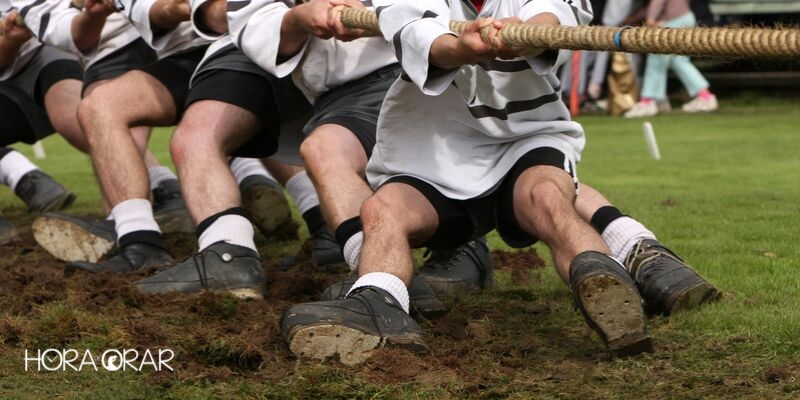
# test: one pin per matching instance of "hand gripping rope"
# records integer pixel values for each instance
(720, 42)
(19, 21)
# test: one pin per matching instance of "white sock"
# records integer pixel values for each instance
(232, 229)
(159, 174)
(352, 250)
(134, 215)
(302, 191)
(13, 166)
(244, 167)
(622, 234)
(387, 282)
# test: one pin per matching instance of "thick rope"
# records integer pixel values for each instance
(19, 21)
(719, 42)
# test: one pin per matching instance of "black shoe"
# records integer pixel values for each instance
(129, 258)
(610, 303)
(666, 283)
(8, 233)
(221, 267)
(350, 328)
(325, 251)
(169, 209)
(265, 201)
(466, 269)
(72, 238)
(42, 193)
(422, 298)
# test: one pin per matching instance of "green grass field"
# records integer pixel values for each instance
(725, 196)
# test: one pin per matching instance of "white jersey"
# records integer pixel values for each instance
(51, 22)
(321, 65)
(26, 52)
(182, 38)
(462, 130)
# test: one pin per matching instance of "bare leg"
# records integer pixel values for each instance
(61, 102)
(209, 131)
(543, 206)
(335, 161)
(395, 218)
(107, 114)
(588, 201)
(282, 172)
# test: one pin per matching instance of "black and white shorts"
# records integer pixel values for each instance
(134, 55)
(463, 220)
(22, 96)
(230, 77)
(355, 105)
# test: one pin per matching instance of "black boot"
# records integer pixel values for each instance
(130, 258)
(42, 193)
(666, 283)
(169, 209)
(423, 300)
(466, 269)
(72, 238)
(350, 328)
(610, 303)
(221, 267)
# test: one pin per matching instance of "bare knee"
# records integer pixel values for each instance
(312, 151)
(548, 198)
(377, 213)
(190, 139)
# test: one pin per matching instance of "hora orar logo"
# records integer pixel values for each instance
(110, 360)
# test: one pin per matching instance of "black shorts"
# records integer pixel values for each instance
(273, 100)
(23, 113)
(231, 77)
(463, 220)
(134, 55)
(355, 105)
(174, 72)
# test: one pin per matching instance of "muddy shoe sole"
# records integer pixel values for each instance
(268, 208)
(615, 311)
(350, 346)
(175, 221)
(68, 241)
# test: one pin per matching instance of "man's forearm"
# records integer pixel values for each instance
(86, 31)
(293, 36)
(213, 16)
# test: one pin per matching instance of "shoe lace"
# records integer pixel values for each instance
(199, 262)
(372, 314)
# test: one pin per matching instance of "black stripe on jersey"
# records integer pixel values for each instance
(398, 44)
(130, 11)
(505, 66)
(471, 8)
(239, 43)
(24, 11)
(237, 5)
(397, 41)
(366, 3)
(512, 107)
(43, 21)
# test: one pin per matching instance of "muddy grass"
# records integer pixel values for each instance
(514, 341)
